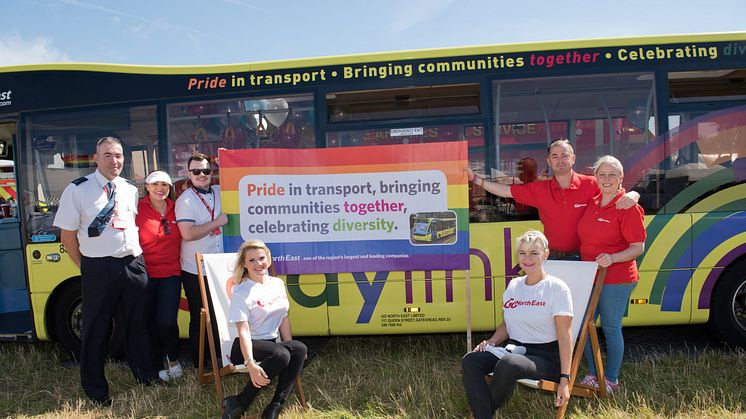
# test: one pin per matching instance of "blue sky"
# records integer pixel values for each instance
(189, 32)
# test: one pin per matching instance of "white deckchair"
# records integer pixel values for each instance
(585, 293)
(219, 270)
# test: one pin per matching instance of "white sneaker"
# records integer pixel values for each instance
(172, 373)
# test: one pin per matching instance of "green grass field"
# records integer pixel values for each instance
(378, 377)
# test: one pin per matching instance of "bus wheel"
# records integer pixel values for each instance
(68, 323)
(728, 309)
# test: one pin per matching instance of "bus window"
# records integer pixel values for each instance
(600, 114)
(277, 122)
(706, 119)
(59, 147)
(401, 103)
(473, 133)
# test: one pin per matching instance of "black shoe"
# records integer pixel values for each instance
(272, 411)
(101, 402)
(232, 408)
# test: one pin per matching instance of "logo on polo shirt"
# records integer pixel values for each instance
(268, 301)
(513, 303)
(603, 220)
(580, 205)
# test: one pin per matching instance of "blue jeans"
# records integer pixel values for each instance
(611, 305)
(166, 293)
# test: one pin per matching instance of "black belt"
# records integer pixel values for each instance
(557, 254)
(547, 346)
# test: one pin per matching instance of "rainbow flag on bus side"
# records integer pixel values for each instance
(353, 209)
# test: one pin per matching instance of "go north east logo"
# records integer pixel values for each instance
(5, 98)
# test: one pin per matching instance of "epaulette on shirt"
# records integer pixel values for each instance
(131, 182)
(79, 180)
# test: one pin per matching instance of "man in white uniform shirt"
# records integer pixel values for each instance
(97, 220)
(199, 216)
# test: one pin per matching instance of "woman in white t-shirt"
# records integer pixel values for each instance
(534, 340)
(259, 309)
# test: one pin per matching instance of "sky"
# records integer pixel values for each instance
(188, 32)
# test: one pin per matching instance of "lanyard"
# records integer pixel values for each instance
(210, 210)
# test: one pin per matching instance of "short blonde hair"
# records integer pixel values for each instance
(530, 238)
(239, 270)
(611, 161)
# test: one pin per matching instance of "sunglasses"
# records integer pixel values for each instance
(166, 226)
(196, 172)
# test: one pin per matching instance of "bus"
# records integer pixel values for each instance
(434, 228)
(671, 108)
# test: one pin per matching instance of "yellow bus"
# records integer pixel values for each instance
(671, 108)
(434, 228)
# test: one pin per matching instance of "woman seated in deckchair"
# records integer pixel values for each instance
(259, 309)
(534, 340)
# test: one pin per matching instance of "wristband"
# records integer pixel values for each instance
(565, 376)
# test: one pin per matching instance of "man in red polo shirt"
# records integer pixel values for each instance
(561, 200)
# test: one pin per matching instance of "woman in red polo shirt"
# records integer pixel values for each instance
(613, 238)
(160, 240)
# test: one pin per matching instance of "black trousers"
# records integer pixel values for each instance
(164, 295)
(109, 285)
(541, 361)
(190, 282)
(278, 359)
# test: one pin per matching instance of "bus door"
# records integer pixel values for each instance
(15, 308)
(705, 184)
(54, 149)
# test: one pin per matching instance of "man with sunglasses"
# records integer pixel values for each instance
(561, 200)
(97, 220)
(199, 217)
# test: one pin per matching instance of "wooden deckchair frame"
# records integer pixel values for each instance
(587, 330)
(205, 325)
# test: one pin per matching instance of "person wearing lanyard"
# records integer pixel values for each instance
(199, 217)
(97, 220)
(561, 200)
(160, 240)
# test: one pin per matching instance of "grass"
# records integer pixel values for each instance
(379, 377)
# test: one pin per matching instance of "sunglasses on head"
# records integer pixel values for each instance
(166, 227)
(196, 172)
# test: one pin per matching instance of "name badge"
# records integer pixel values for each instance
(118, 223)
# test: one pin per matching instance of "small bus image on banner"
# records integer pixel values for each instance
(430, 228)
